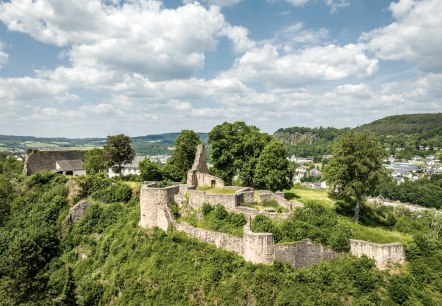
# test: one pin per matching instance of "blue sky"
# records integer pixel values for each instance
(89, 68)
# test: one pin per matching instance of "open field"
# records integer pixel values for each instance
(303, 194)
(37, 144)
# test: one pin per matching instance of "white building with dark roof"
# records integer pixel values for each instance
(70, 167)
(131, 168)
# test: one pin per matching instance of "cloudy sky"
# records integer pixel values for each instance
(84, 68)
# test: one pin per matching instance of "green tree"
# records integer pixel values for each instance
(355, 168)
(150, 171)
(118, 152)
(95, 161)
(235, 149)
(184, 154)
(273, 170)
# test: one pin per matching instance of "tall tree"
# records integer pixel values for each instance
(355, 168)
(150, 170)
(183, 155)
(95, 161)
(118, 152)
(235, 149)
(273, 170)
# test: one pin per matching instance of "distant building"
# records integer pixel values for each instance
(70, 167)
(131, 168)
(45, 160)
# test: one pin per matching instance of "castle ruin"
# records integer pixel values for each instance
(45, 160)
(254, 247)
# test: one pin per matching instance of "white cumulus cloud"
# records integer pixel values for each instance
(415, 35)
(310, 65)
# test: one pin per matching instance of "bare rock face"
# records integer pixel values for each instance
(77, 212)
(75, 190)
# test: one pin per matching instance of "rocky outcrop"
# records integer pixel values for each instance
(77, 212)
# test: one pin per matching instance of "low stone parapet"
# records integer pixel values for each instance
(221, 240)
(383, 254)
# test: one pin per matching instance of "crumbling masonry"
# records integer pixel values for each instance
(254, 247)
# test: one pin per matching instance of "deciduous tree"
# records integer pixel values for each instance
(183, 155)
(95, 161)
(272, 170)
(118, 152)
(235, 149)
(355, 168)
(150, 171)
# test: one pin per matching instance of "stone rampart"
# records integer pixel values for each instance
(151, 202)
(383, 254)
(245, 196)
(252, 213)
(303, 253)
(37, 160)
(254, 247)
(265, 195)
(221, 240)
(197, 198)
(258, 247)
(208, 180)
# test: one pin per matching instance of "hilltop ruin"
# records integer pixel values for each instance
(254, 247)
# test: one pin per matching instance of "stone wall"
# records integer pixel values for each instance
(258, 247)
(151, 202)
(200, 163)
(252, 213)
(197, 198)
(37, 160)
(303, 253)
(206, 179)
(264, 195)
(254, 247)
(244, 197)
(221, 240)
(383, 254)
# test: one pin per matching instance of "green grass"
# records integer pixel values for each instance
(37, 144)
(265, 205)
(3, 149)
(361, 232)
(303, 195)
(375, 234)
(216, 190)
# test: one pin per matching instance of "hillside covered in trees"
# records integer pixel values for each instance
(407, 132)
(105, 258)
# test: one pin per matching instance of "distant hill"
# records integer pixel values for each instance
(406, 124)
(143, 145)
(405, 135)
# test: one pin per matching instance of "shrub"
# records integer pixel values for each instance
(175, 210)
(114, 193)
(164, 183)
(206, 208)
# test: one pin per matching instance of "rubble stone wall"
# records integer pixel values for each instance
(383, 254)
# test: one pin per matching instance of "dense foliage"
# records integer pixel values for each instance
(302, 141)
(355, 168)
(426, 192)
(183, 155)
(406, 132)
(95, 161)
(240, 151)
(107, 259)
(311, 222)
(272, 169)
(217, 218)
